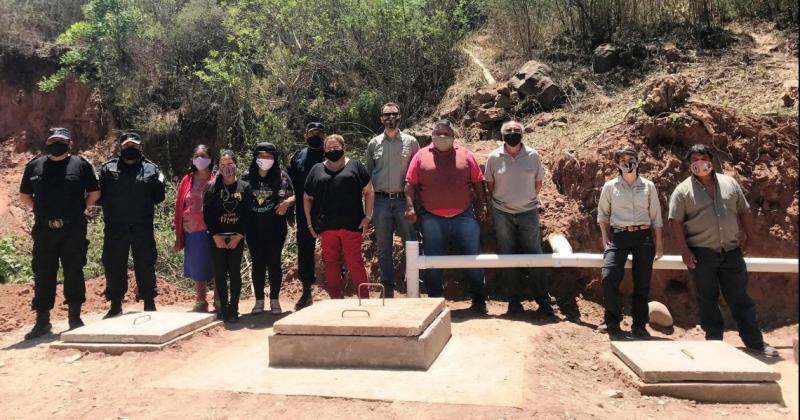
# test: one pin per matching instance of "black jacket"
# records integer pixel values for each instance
(129, 193)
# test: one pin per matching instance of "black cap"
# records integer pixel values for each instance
(265, 147)
(61, 133)
(315, 126)
(128, 136)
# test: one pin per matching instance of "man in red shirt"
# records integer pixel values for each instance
(441, 178)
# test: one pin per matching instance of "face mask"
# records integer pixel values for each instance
(228, 171)
(56, 149)
(701, 167)
(265, 164)
(314, 142)
(513, 139)
(443, 144)
(628, 167)
(131, 154)
(201, 163)
(334, 155)
(390, 121)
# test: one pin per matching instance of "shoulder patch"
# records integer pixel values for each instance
(34, 158)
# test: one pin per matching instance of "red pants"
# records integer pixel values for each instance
(338, 243)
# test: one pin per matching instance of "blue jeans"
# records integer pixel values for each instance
(388, 218)
(520, 234)
(438, 234)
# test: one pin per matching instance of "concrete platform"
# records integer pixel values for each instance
(710, 392)
(657, 361)
(397, 318)
(136, 331)
(381, 352)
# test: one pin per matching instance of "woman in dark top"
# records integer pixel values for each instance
(226, 208)
(335, 214)
(273, 196)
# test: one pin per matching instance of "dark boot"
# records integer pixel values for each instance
(42, 325)
(74, 317)
(233, 314)
(222, 312)
(115, 310)
(149, 305)
(305, 299)
(479, 304)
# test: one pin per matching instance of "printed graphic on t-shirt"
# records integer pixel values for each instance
(229, 204)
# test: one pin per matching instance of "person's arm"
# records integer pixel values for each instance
(656, 221)
(92, 197)
(604, 215)
(476, 178)
(158, 191)
(90, 184)
(677, 213)
(369, 202)
(746, 219)
(211, 216)
(307, 203)
(285, 205)
(370, 163)
(410, 190)
(27, 200)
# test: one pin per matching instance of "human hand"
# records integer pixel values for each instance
(313, 232)
(480, 213)
(364, 225)
(219, 241)
(688, 258)
(659, 251)
(282, 208)
(410, 215)
(234, 240)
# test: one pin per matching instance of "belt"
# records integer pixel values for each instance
(391, 196)
(631, 228)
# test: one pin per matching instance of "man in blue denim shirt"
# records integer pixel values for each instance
(514, 176)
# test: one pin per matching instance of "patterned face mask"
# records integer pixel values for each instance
(628, 167)
(265, 164)
(228, 170)
(701, 167)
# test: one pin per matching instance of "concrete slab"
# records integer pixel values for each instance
(398, 318)
(139, 328)
(717, 392)
(657, 361)
(380, 352)
(119, 348)
(472, 370)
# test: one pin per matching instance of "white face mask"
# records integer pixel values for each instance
(265, 164)
(201, 163)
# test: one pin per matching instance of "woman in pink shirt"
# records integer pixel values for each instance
(190, 229)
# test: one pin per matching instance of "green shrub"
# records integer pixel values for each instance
(15, 261)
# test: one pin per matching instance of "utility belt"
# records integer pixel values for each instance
(55, 224)
(390, 196)
(632, 228)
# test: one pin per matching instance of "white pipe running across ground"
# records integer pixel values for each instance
(562, 256)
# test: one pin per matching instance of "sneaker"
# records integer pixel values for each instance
(275, 307)
(514, 307)
(38, 330)
(200, 306)
(640, 332)
(765, 350)
(258, 307)
(479, 305)
(305, 300)
(115, 310)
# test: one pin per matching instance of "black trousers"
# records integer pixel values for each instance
(68, 246)
(120, 240)
(726, 271)
(305, 254)
(640, 245)
(266, 255)
(228, 264)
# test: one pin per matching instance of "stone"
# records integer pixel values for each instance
(677, 361)
(659, 314)
(484, 115)
(613, 393)
(484, 96)
(605, 58)
(662, 94)
(503, 90)
(72, 359)
(671, 53)
(533, 80)
(501, 101)
(514, 97)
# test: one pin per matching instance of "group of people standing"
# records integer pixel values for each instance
(437, 191)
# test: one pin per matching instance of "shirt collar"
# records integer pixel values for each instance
(638, 181)
(522, 151)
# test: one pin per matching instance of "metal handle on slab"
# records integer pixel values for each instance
(383, 291)
(140, 317)
(356, 310)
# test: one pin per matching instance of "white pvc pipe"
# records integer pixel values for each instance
(412, 269)
(559, 243)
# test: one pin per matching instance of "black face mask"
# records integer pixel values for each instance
(131, 154)
(334, 155)
(512, 139)
(314, 142)
(56, 149)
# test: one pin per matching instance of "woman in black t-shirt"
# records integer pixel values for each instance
(335, 213)
(226, 209)
(273, 197)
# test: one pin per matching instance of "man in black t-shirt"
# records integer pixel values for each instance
(299, 167)
(59, 187)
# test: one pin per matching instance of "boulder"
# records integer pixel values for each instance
(514, 97)
(671, 53)
(493, 114)
(659, 314)
(663, 94)
(605, 58)
(484, 96)
(533, 80)
(501, 101)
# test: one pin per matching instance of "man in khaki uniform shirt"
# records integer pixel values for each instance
(704, 213)
(388, 156)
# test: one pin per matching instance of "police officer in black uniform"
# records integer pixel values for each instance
(131, 186)
(59, 186)
(299, 167)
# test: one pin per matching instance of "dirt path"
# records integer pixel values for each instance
(487, 75)
(567, 370)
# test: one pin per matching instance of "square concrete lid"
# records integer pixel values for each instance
(676, 361)
(399, 318)
(139, 327)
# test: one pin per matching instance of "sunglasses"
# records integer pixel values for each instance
(391, 114)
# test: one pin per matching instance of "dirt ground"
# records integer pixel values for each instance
(568, 369)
